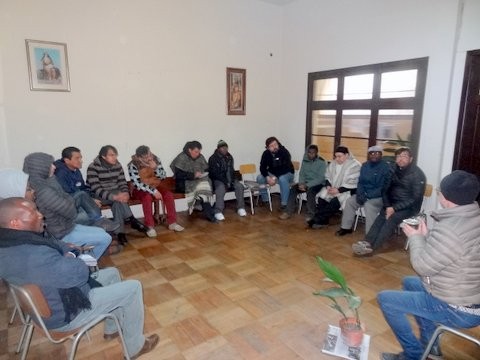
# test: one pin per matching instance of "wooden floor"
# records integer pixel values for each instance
(241, 289)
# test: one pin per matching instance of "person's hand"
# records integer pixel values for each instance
(302, 187)
(389, 211)
(271, 180)
(157, 195)
(98, 202)
(333, 191)
(198, 174)
(122, 197)
(411, 230)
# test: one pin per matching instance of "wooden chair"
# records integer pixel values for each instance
(249, 172)
(34, 307)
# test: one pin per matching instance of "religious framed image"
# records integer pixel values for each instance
(236, 91)
(47, 65)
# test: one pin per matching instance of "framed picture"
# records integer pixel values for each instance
(236, 91)
(47, 65)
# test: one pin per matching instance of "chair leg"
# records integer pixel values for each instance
(26, 341)
(438, 331)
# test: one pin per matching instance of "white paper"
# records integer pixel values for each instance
(335, 346)
(88, 259)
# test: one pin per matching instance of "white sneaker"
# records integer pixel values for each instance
(219, 216)
(241, 212)
(151, 232)
(175, 227)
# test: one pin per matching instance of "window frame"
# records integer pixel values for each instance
(375, 103)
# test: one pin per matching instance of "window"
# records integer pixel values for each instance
(368, 105)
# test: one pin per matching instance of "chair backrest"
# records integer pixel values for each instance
(248, 169)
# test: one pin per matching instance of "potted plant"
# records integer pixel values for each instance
(350, 325)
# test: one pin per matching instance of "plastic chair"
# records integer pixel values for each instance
(33, 307)
(360, 213)
(441, 329)
(249, 172)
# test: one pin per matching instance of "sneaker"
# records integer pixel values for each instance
(343, 232)
(107, 225)
(284, 216)
(149, 344)
(241, 212)
(151, 232)
(362, 248)
(219, 216)
(175, 227)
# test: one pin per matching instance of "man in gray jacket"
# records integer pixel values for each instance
(447, 260)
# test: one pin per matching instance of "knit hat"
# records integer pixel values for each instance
(221, 143)
(375, 148)
(38, 164)
(13, 183)
(460, 187)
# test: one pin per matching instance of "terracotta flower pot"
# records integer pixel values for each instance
(352, 334)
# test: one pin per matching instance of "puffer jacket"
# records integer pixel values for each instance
(405, 189)
(56, 205)
(448, 259)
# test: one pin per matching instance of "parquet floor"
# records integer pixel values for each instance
(241, 289)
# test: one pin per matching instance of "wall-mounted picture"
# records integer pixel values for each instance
(47, 65)
(236, 91)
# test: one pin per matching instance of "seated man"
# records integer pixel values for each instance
(222, 174)
(402, 199)
(146, 172)
(276, 167)
(310, 180)
(374, 175)
(107, 180)
(29, 258)
(59, 207)
(190, 170)
(341, 183)
(67, 172)
(447, 261)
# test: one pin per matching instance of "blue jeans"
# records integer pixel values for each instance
(87, 209)
(427, 310)
(89, 235)
(283, 180)
(124, 299)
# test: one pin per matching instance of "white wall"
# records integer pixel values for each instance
(153, 71)
(142, 72)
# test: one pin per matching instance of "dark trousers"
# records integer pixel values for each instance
(324, 211)
(311, 194)
(382, 228)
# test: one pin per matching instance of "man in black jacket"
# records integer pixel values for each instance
(276, 168)
(222, 174)
(402, 199)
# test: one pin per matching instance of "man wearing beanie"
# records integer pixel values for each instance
(447, 261)
(58, 207)
(222, 174)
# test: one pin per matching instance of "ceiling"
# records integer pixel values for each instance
(278, 2)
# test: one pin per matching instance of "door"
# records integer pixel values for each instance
(467, 146)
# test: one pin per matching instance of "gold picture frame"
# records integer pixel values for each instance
(236, 91)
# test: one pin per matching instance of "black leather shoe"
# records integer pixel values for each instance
(122, 238)
(137, 225)
(343, 232)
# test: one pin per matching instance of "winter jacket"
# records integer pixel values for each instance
(221, 168)
(312, 172)
(405, 189)
(156, 175)
(448, 259)
(277, 164)
(56, 205)
(106, 180)
(70, 180)
(374, 177)
(45, 267)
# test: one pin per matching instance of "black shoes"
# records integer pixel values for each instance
(122, 238)
(137, 225)
(343, 232)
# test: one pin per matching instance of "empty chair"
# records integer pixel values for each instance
(249, 172)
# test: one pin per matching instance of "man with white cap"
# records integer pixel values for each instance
(374, 175)
(447, 262)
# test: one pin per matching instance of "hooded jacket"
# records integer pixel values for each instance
(312, 172)
(70, 180)
(56, 205)
(448, 258)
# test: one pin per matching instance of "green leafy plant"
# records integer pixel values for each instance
(336, 293)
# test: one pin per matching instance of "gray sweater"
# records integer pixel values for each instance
(448, 259)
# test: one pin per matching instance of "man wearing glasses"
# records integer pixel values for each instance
(402, 199)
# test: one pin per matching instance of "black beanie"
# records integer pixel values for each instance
(342, 149)
(221, 143)
(460, 187)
